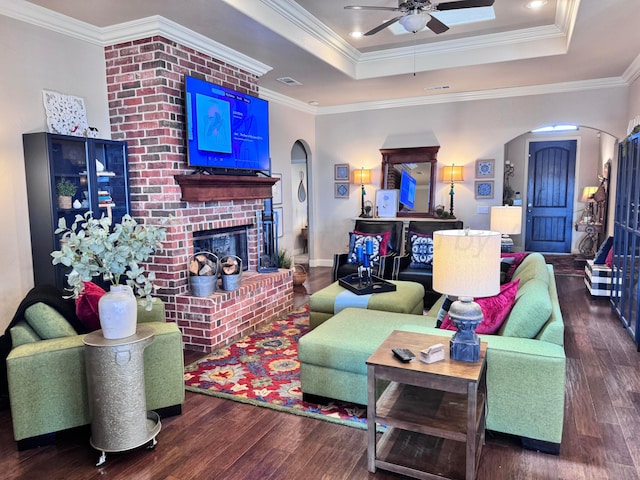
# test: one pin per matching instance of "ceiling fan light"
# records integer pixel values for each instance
(414, 22)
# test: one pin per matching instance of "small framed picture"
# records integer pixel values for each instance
(276, 189)
(341, 172)
(387, 202)
(279, 221)
(485, 168)
(484, 189)
(341, 190)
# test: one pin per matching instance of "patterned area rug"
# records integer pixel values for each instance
(263, 369)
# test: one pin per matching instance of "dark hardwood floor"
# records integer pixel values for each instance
(222, 439)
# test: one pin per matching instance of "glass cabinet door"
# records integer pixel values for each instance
(70, 177)
(112, 189)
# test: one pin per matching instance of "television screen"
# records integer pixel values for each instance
(226, 130)
(407, 190)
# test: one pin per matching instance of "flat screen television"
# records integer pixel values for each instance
(227, 131)
(407, 191)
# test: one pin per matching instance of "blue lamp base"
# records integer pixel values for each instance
(466, 315)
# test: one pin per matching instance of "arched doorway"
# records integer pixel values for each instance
(594, 149)
(300, 202)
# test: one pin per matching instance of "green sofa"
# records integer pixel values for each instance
(47, 377)
(525, 362)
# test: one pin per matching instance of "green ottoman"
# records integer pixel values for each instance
(408, 298)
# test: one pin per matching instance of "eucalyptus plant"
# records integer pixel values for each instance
(93, 247)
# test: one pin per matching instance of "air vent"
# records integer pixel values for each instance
(438, 87)
(289, 81)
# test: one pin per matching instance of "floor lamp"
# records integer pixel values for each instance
(466, 264)
(360, 177)
(508, 221)
(452, 174)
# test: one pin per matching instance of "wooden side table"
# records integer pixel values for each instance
(115, 377)
(428, 410)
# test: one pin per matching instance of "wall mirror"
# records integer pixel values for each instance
(417, 183)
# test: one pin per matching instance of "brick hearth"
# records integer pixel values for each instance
(145, 81)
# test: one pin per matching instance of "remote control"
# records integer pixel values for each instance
(403, 354)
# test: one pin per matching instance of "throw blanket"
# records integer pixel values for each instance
(50, 295)
(349, 299)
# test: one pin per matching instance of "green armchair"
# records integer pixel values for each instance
(47, 378)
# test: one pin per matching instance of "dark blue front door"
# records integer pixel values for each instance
(551, 177)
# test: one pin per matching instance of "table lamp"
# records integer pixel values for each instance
(587, 197)
(452, 174)
(360, 177)
(466, 264)
(508, 221)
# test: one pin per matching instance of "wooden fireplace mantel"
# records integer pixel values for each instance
(207, 188)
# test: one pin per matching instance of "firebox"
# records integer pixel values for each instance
(224, 241)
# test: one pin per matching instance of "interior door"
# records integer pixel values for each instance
(550, 187)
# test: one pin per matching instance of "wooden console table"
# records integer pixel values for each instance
(427, 408)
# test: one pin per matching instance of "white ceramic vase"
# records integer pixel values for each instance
(118, 312)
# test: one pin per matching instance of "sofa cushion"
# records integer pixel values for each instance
(421, 250)
(494, 309)
(47, 322)
(531, 310)
(22, 333)
(532, 267)
(358, 239)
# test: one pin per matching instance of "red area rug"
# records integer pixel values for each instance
(263, 369)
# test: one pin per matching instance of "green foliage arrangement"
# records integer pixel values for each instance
(284, 260)
(92, 248)
(65, 188)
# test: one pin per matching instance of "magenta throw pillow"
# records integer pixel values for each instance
(87, 306)
(518, 257)
(495, 309)
(609, 260)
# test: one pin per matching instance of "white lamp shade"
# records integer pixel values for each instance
(466, 263)
(506, 220)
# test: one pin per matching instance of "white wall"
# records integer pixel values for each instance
(466, 132)
(34, 59)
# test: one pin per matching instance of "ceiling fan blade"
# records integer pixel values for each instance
(368, 7)
(382, 26)
(436, 26)
(464, 4)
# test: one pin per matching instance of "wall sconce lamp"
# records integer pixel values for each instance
(466, 264)
(360, 177)
(587, 197)
(452, 174)
(508, 221)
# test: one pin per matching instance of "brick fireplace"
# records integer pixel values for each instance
(145, 81)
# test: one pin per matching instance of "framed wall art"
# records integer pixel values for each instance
(341, 172)
(484, 189)
(276, 189)
(387, 202)
(279, 220)
(485, 168)
(341, 190)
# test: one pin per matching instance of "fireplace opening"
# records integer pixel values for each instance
(224, 241)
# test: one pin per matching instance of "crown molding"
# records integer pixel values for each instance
(276, 97)
(632, 72)
(566, 87)
(128, 31)
(158, 25)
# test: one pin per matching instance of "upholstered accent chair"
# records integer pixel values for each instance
(415, 264)
(383, 266)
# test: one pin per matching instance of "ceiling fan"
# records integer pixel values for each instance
(416, 14)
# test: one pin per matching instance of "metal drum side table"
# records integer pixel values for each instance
(115, 378)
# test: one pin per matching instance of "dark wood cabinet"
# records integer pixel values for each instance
(96, 169)
(626, 237)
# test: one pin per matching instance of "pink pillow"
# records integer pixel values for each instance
(609, 260)
(87, 306)
(495, 309)
(518, 257)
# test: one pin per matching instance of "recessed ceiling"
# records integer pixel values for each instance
(566, 44)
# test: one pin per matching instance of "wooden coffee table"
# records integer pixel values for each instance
(429, 410)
